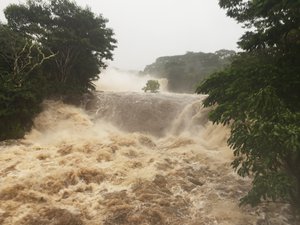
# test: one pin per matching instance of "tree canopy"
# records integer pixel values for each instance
(51, 48)
(258, 97)
(79, 38)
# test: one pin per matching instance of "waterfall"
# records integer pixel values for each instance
(125, 158)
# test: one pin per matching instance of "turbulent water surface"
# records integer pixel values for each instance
(126, 158)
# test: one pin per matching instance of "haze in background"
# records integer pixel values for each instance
(116, 80)
(148, 29)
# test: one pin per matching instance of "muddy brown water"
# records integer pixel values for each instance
(126, 158)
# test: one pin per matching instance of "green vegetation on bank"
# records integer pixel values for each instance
(51, 48)
(184, 72)
(258, 97)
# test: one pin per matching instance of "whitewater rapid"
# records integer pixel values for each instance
(126, 158)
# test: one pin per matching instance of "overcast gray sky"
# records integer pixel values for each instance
(147, 29)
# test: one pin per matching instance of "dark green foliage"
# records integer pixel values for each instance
(47, 49)
(20, 83)
(258, 97)
(265, 123)
(18, 106)
(185, 71)
(79, 38)
(152, 86)
(276, 23)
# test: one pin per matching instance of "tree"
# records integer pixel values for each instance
(258, 97)
(152, 86)
(21, 82)
(79, 38)
(47, 48)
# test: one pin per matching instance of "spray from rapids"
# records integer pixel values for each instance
(125, 158)
(120, 81)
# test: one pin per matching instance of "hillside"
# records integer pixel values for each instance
(184, 72)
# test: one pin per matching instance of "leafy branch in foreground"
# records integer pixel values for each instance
(258, 97)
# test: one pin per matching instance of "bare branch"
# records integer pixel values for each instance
(25, 62)
(42, 60)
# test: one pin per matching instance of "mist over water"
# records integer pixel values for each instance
(126, 157)
(118, 81)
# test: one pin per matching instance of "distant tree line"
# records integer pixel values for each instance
(184, 72)
(258, 96)
(47, 48)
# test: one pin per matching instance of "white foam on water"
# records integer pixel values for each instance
(128, 158)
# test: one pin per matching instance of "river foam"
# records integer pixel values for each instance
(126, 158)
